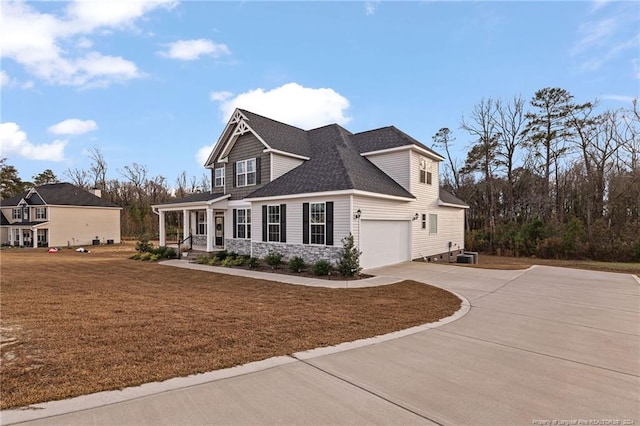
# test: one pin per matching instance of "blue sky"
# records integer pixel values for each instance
(153, 82)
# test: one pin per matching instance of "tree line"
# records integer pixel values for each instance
(135, 190)
(550, 177)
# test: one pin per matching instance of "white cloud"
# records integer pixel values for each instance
(291, 103)
(203, 154)
(15, 141)
(619, 98)
(73, 126)
(371, 6)
(220, 96)
(44, 42)
(189, 50)
(5, 80)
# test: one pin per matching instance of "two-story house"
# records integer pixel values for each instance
(58, 214)
(300, 192)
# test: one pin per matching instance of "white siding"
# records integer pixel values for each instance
(341, 218)
(281, 164)
(395, 164)
(80, 225)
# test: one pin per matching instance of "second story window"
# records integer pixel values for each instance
(246, 172)
(41, 213)
(219, 177)
(425, 171)
(17, 214)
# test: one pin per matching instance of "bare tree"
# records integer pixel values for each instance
(98, 168)
(443, 139)
(78, 177)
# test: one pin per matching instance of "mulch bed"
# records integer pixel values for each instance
(77, 323)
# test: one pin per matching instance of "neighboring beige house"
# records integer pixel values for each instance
(59, 214)
(300, 192)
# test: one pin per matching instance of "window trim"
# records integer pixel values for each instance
(38, 215)
(245, 172)
(323, 224)
(201, 221)
(245, 225)
(270, 223)
(17, 213)
(433, 224)
(216, 177)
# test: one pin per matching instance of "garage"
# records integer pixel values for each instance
(384, 242)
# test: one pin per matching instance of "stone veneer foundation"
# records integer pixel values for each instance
(310, 253)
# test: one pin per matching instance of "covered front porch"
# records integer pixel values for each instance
(28, 234)
(200, 225)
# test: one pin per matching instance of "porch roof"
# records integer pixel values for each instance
(198, 197)
(25, 224)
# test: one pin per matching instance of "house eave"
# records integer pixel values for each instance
(405, 148)
(457, 206)
(330, 194)
(287, 154)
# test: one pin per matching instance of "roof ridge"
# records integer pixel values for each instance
(271, 119)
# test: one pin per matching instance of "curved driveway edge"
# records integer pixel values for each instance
(54, 409)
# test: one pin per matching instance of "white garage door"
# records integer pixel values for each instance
(384, 242)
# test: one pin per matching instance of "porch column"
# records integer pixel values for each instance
(161, 231)
(20, 237)
(185, 224)
(34, 237)
(210, 228)
(11, 234)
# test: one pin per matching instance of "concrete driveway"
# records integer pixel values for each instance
(541, 346)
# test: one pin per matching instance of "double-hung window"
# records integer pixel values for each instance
(243, 223)
(17, 214)
(202, 223)
(246, 172)
(425, 171)
(273, 223)
(219, 177)
(317, 222)
(41, 213)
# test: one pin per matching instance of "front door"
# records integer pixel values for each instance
(219, 231)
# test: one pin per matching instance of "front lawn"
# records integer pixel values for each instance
(77, 323)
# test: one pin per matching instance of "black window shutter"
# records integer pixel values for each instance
(329, 223)
(235, 223)
(283, 223)
(258, 171)
(264, 223)
(305, 223)
(234, 174)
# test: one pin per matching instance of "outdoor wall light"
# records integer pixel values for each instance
(358, 214)
(416, 216)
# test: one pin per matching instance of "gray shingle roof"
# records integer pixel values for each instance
(385, 138)
(335, 165)
(194, 198)
(3, 220)
(59, 194)
(277, 135)
(448, 198)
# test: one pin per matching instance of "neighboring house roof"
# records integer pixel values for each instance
(194, 198)
(58, 194)
(335, 164)
(3, 220)
(448, 198)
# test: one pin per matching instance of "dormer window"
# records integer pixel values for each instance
(246, 172)
(425, 171)
(17, 214)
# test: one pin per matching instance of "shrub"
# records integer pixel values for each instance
(238, 261)
(154, 258)
(202, 259)
(164, 252)
(321, 267)
(253, 262)
(222, 255)
(273, 259)
(143, 245)
(145, 256)
(227, 262)
(296, 264)
(349, 263)
(213, 261)
(135, 256)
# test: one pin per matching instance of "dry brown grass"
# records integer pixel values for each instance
(506, 262)
(75, 323)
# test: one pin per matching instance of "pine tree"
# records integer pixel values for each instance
(349, 263)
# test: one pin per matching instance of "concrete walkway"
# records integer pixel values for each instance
(537, 346)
